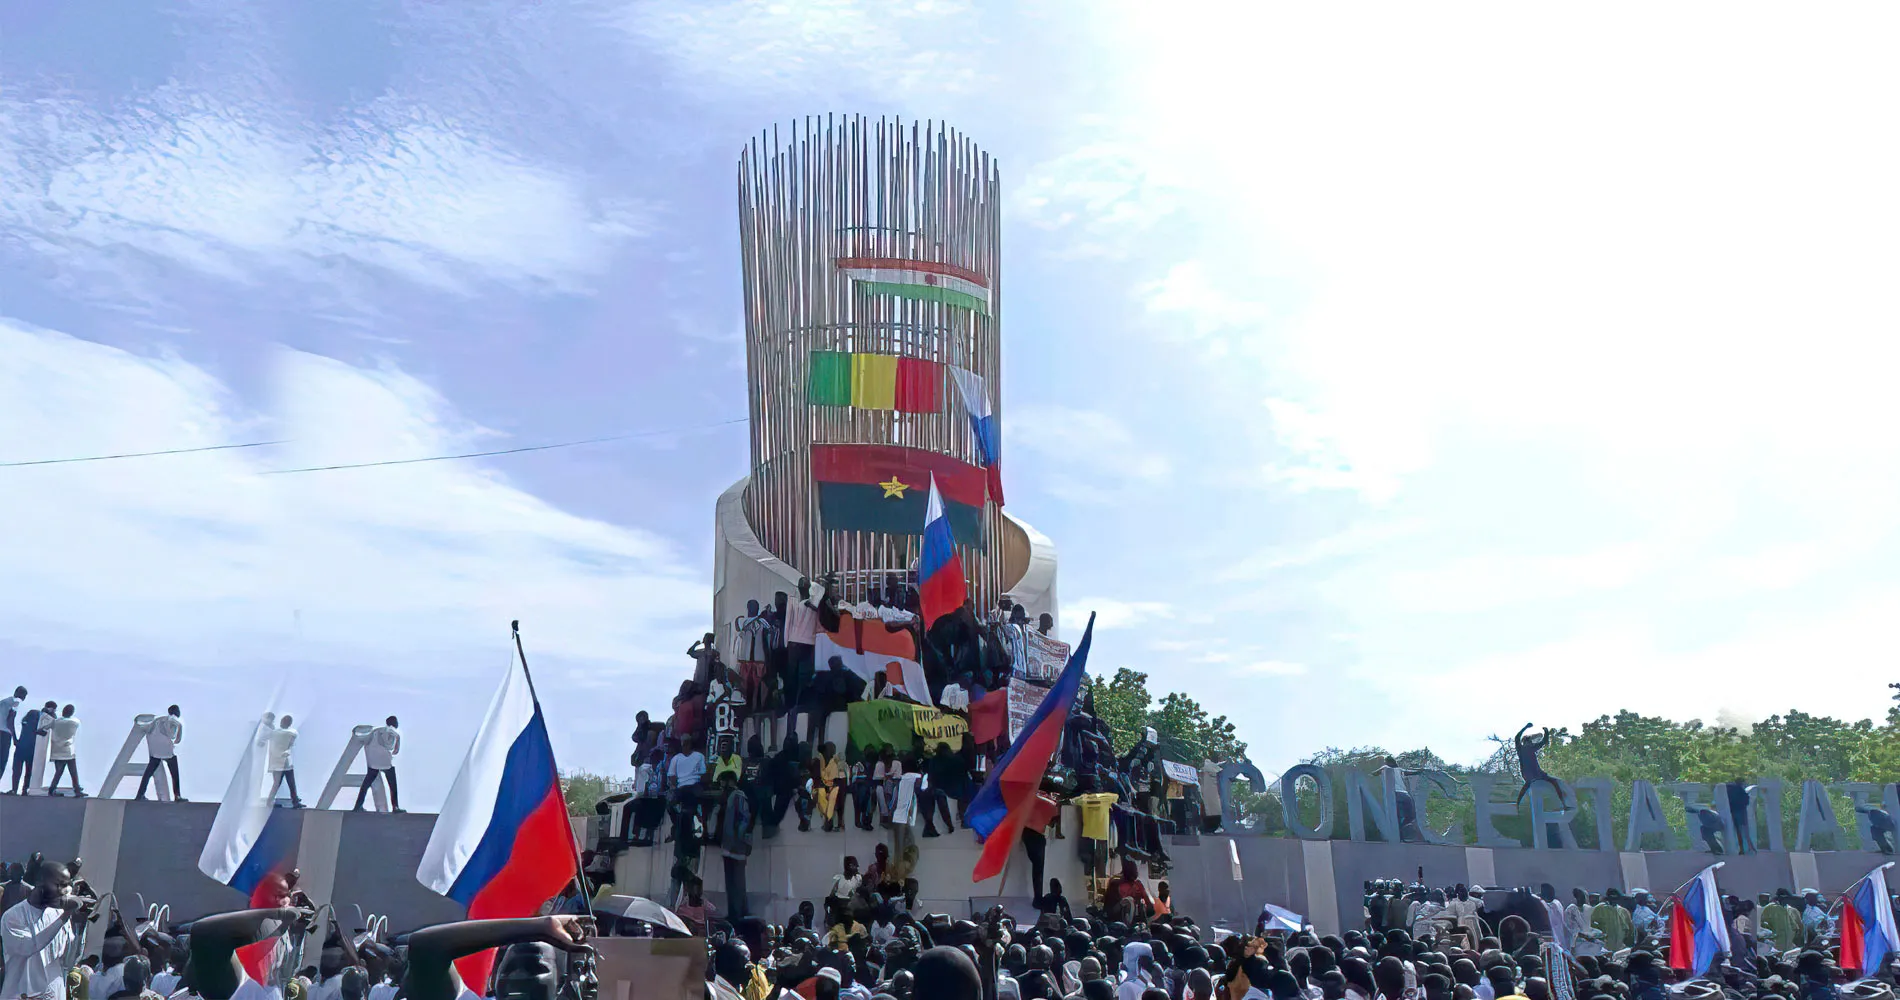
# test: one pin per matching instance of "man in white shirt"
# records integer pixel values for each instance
(684, 774)
(161, 750)
(64, 733)
(385, 742)
(9, 719)
(278, 742)
(36, 934)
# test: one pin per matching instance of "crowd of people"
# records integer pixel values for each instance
(731, 763)
(261, 953)
(1490, 943)
(1593, 923)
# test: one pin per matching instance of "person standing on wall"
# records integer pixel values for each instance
(26, 745)
(9, 718)
(379, 753)
(161, 750)
(64, 732)
(279, 741)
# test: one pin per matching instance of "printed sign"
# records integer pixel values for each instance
(1046, 656)
(1024, 699)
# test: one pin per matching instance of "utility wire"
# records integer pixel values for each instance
(139, 454)
(508, 451)
(366, 465)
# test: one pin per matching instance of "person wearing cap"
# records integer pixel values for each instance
(1462, 911)
(1645, 922)
(1816, 925)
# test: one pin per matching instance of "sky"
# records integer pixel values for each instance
(1385, 374)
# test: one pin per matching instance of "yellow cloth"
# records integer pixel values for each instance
(1095, 813)
(825, 800)
(722, 765)
(840, 935)
(874, 381)
(757, 987)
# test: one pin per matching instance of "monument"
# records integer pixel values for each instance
(873, 315)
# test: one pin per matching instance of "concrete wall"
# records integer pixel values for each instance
(369, 859)
(151, 849)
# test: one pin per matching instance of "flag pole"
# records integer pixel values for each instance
(1841, 900)
(1671, 901)
(580, 869)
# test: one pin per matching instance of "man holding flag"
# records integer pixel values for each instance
(251, 848)
(502, 845)
(1002, 809)
(1868, 935)
(1698, 930)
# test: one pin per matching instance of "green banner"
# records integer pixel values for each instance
(875, 723)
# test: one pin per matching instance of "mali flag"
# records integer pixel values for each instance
(878, 487)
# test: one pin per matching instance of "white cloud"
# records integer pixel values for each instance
(239, 191)
(385, 577)
(1113, 613)
(1496, 580)
(837, 46)
(1085, 456)
(1271, 668)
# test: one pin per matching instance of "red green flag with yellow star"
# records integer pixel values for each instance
(876, 487)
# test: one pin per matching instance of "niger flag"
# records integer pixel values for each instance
(876, 487)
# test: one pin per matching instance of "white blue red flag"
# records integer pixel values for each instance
(983, 426)
(251, 845)
(1003, 806)
(502, 845)
(1697, 929)
(940, 585)
(1867, 927)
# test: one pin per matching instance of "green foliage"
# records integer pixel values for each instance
(582, 789)
(1627, 747)
(1186, 732)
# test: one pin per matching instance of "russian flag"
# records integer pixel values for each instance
(251, 845)
(1867, 928)
(1697, 929)
(983, 426)
(502, 845)
(998, 812)
(940, 586)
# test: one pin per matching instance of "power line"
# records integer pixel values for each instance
(508, 451)
(139, 454)
(367, 465)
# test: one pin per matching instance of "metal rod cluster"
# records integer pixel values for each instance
(851, 186)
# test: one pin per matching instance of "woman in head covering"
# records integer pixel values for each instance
(1137, 964)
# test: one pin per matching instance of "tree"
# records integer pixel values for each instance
(1180, 723)
(582, 790)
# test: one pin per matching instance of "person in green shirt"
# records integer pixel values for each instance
(1612, 919)
(1782, 922)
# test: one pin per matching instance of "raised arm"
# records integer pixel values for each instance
(433, 950)
(1518, 740)
(215, 940)
(350, 956)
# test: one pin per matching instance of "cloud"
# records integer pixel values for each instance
(880, 47)
(382, 578)
(236, 188)
(1085, 455)
(1271, 668)
(1113, 613)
